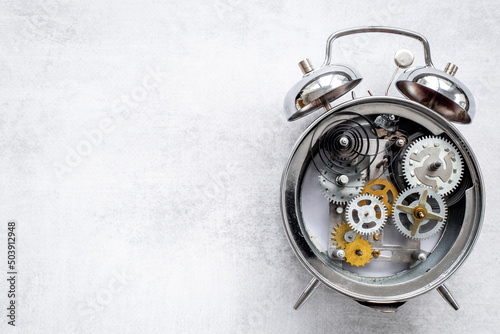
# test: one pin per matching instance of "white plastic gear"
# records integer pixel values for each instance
(366, 214)
(419, 157)
(336, 193)
(414, 194)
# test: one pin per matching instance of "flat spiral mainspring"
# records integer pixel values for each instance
(344, 146)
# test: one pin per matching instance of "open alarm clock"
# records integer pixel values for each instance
(382, 198)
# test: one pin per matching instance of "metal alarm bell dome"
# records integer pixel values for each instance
(439, 91)
(318, 88)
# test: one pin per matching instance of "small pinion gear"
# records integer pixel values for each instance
(358, 253)
(339, 235)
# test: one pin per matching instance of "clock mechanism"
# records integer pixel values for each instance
(382, 198)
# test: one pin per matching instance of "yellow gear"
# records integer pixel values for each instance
(338, 235)
(383, 190)
(358, 253)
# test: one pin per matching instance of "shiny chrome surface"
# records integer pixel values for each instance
(387, 30)
(318, 88)
(446, 294)
(306, 66)
(438, 91)
(456, 243)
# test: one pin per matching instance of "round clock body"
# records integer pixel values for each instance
(382, 199)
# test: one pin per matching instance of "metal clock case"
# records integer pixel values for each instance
(382, 198)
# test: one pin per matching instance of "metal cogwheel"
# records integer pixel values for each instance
(340, 189)
(384, 190)
(419, 212)
(366, 214)
(433, 162)
(358, 253)
(343, 235)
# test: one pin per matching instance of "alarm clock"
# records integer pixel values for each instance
(382, 198)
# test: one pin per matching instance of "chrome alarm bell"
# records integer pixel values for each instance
(439, 91)
(382, 198)
(318, 88)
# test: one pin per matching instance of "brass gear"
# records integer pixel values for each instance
(338, 235)
(384, 190)
(358, 253)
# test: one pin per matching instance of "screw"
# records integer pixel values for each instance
(342, 180)
(359, 252)
(339, 210)
(339, 254)
(350, 236)
(419, 256)
(376, 237)
(400, 142)
(376, 253)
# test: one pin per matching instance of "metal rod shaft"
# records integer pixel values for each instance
(308, 292)
(390, 82)
(446, 294)
(325, 103)
(388, 30)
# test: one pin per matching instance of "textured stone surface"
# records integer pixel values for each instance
(168, 220)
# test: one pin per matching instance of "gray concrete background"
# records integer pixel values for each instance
(142, 148)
